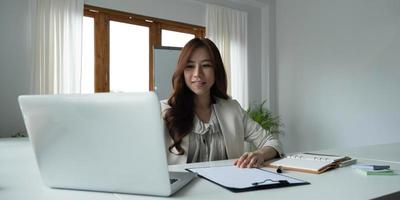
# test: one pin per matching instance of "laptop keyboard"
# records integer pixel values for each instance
(172, 180)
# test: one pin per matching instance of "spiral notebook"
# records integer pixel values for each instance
(309, 162)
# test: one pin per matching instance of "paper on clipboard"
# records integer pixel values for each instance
(233, 177)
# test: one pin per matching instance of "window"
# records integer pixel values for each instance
(174, 38)
(118, 48)
(129, 57)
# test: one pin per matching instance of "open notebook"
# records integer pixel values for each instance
(309, 162)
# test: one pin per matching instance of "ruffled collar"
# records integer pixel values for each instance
(202, 128)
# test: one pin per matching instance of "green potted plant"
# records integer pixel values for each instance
(264, 117)
(19, 134)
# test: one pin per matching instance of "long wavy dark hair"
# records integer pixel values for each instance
(179, 117)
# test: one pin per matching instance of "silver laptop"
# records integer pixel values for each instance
(111, 142)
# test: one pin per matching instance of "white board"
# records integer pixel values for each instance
(165, 59)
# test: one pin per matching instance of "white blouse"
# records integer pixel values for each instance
(206, 142)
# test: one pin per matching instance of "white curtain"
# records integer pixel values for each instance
(227, 28)
(58, 46)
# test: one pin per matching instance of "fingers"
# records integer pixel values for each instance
(239, 162)
(248, 160)
(254, 162)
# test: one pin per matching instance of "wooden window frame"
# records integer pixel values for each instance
(102, 17)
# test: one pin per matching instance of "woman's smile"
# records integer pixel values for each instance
(199, 73)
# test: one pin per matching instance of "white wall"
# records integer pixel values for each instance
(268, 60)
(15, 61)
(338, 72)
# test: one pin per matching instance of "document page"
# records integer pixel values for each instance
(234, 177)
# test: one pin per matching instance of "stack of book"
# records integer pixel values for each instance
(368, 169)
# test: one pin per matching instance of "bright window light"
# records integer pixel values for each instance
(129, 57)
(87, 76)
(174, 38)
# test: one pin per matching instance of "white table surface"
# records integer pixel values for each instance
(20, 179)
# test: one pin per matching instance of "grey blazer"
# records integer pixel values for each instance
(236, 127)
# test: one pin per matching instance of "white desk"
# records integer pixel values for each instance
(20, 179)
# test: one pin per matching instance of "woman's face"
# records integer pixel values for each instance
(199, 72)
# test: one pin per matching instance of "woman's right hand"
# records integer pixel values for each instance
(250, 159)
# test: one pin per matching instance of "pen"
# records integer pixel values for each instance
(371, 167)
(319, 154)
(279, 169)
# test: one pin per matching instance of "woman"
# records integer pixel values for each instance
(203, 123)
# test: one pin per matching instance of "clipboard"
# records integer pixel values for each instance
(245, 179)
